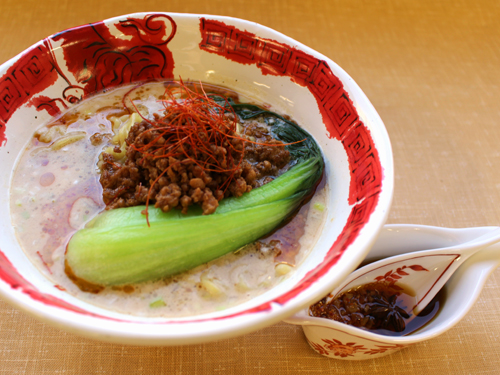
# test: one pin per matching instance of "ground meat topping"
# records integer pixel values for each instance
(185, 177)
(97, 138)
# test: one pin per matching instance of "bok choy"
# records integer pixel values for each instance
(118, 247)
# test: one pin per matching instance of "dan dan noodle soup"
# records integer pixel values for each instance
(108, 154)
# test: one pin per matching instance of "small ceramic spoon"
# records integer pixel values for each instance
(407, 260)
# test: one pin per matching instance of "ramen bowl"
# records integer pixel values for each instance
(56, 73)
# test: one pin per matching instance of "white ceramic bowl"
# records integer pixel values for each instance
(58, 71)
(340, 341)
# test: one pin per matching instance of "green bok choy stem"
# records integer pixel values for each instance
(135, 253)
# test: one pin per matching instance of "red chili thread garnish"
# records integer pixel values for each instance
(198, 129)
(124, 99)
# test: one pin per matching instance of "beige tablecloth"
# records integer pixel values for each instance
(432, 70)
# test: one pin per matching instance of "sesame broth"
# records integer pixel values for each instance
(55, 191)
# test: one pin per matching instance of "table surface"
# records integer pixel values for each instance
(431, 69)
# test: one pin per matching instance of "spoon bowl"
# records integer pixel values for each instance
(408, 245)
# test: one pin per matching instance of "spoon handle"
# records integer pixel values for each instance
(397, 239)
(481, 239)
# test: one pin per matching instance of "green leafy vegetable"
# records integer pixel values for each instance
(118, 247)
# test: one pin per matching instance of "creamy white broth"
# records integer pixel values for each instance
(54, 192)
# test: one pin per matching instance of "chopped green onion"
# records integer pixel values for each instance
(157, 303)
(319, 206)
